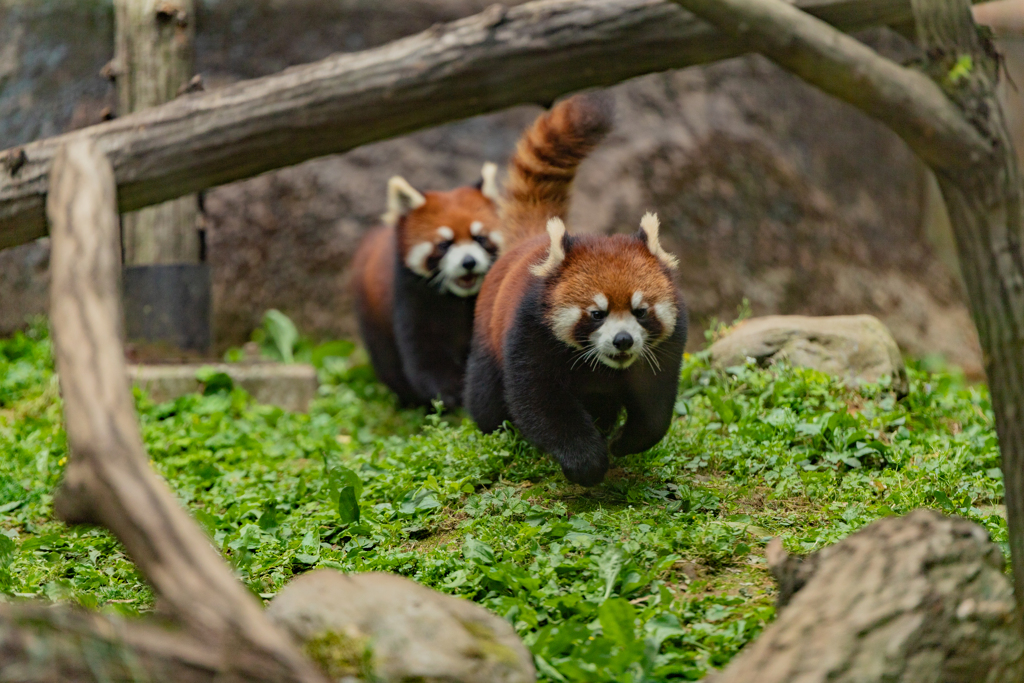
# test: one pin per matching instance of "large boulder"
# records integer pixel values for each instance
(393, 629)
(857, 348)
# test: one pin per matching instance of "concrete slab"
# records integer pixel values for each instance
(289, 386)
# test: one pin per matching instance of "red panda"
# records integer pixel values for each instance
(571, 330)
(415, 281)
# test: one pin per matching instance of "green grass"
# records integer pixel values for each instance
(656, 575)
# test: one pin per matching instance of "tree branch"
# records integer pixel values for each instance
(908, 101)
(108, 480)
(498, 58)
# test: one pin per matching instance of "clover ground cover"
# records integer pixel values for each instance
(656, 575)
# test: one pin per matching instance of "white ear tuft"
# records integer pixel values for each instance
(650, 225)
(402, 198)
(489, 186)
(556, 253)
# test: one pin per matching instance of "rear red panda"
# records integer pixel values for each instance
(415, 281)
(570, 331)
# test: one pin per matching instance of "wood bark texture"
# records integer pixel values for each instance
(498, 58)
(915, 599)
(154, 58)
(108, 480)
(41, 643)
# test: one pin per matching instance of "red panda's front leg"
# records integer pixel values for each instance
(547, 413)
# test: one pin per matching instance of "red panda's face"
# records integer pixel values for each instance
(450, 238)
(612, 299)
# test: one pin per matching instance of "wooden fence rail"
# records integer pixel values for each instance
(498, 58)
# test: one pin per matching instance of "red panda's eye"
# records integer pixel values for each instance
(598, 315)
(639, 313)
(443, 246)
(481, 240)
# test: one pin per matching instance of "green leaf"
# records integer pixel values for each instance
(345, 488)
(7, 549)
(617, 616)
(477, 551)
(348, 505)
(332, 349)
(961, 70)
(214, 381)
(609, 564)
(282, 333)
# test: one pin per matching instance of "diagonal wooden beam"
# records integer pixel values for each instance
(501, 57)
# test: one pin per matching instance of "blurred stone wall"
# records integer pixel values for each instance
(767, 189)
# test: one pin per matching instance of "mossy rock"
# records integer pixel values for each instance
(388, 628)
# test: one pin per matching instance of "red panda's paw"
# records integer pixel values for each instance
(584, 469)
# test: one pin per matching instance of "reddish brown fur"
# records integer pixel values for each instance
(541, 172)
(504, 287)
(373, 268)
(615, 265)
(374, 260)
(457, 209)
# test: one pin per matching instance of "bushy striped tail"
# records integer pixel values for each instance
(541, 171)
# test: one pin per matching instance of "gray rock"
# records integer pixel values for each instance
(355, 624)
(290, 386)
(858, 348)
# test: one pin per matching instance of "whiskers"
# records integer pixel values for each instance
(647, 354)
(440, 281)
(589, 355)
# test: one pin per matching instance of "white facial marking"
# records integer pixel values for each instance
(563, 322)
(475, 228)
(601, 301)
(638, 298)
(497, 238)
(666, 313)
(453, 271)
(416, 258)
(603, 340)
(445, 232)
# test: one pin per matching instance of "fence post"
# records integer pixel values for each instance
(166, 282)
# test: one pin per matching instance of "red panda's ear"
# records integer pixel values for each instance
(556, 252)
(489, 181)
(649, 226)
(402, 198)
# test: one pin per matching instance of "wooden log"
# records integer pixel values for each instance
(153, 62)
(47, 643)
(108, 480)
(501, 57)
(914, 599)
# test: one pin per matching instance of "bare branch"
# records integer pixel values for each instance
(530, 53)
(108, 480)
(906, 100)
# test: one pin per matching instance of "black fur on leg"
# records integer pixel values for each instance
(485, 390)
(650, 396)
(432, 333)
(542, 402)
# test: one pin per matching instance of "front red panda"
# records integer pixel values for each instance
(571, 330)
(415, 281)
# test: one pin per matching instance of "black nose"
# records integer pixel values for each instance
(469, 263)
(623, 341)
